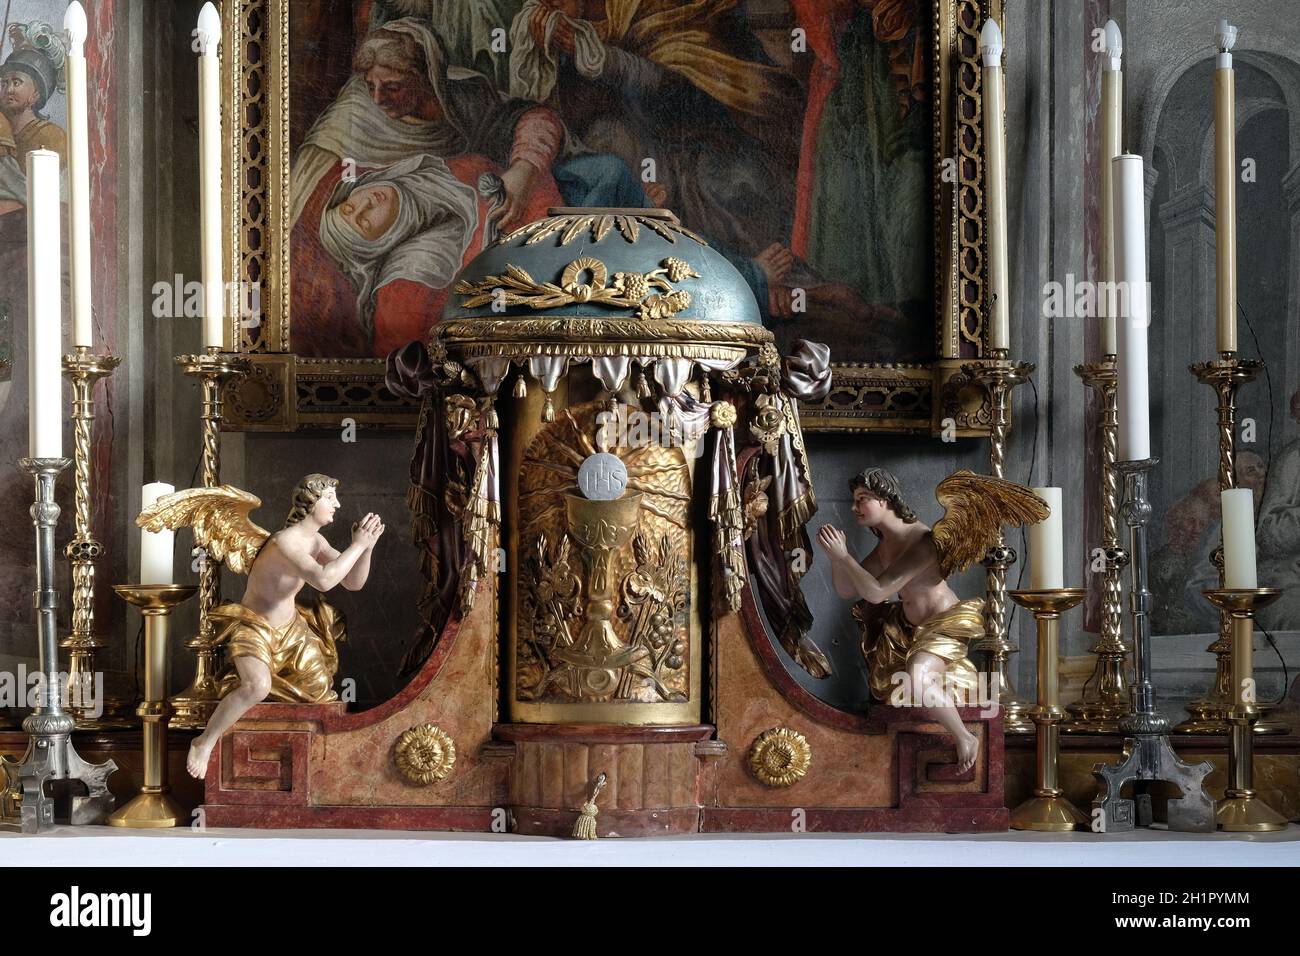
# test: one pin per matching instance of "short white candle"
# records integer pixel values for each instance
(209, 37)
(1131, 275)
(74, 22)
(1239, 538)
(44, 306)
(1047, 545)
(155, 546)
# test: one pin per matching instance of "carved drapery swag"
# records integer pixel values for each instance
(780, 551)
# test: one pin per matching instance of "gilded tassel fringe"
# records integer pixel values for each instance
(521, 387)
(548, 409)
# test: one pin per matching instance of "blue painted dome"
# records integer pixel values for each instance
(602, 263)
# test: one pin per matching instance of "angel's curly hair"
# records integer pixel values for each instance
(306, 494)
(883, 484)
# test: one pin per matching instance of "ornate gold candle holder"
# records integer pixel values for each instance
(194, 705)
(1107, 696)
(1241, 810)
(999, 375)
(83, 369)
(152, 807)
(1048, 809)
(1209, 713)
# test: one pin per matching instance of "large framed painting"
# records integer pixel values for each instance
(830, 149)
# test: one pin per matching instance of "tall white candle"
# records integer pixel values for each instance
(1047, 545)
(209, 37)
(44, 306)
(1238, 538)
(995, 184)
(1112, 124)
(74, 22)
(1131, 276)
(155, 546)
(1225, 191)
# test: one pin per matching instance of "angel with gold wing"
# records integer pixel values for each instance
(920, 641)
(279, 649)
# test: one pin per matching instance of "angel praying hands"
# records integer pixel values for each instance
(920, 641)
(280, 649)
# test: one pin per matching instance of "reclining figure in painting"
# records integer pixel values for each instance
(917, 645)
(280, 649)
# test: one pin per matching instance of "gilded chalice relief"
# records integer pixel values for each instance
(604, 600)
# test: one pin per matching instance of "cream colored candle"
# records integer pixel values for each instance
(74, 22)
(155, 546)
(44, 307)
(1225, 191)
(209, 37)
(995, 184)
(1047, 545)
(1132, 392)
(1238, 538)
(1111, 118)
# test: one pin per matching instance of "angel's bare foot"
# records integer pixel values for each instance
(968, 749)
(197, 761)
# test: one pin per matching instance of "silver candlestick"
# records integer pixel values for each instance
(1148, 754)
(50, 755)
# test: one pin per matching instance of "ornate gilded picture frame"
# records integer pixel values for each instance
(306, 375)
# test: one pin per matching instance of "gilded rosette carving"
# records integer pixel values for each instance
(424, 754)
(603, 596)
(780, 757)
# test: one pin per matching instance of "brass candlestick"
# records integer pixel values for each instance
(1107, 697)
(1209, 713)
(1048, 809)
(1241, 810)
(999, 375)
(194, 705)
(152, 807)
(83, 370)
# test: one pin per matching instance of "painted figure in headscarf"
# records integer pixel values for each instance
(400, 234)
(403, 101)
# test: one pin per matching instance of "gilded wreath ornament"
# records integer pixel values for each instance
(632, 290)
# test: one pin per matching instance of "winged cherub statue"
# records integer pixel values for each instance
(280, 649)
(924, 634)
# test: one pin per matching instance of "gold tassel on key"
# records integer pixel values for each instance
(585, 827)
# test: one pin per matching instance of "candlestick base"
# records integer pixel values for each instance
(148, 810)
(1247, 814)
(1048, 815)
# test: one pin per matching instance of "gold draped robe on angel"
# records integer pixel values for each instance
(300, 654)
(889, 640)
(975, 508)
